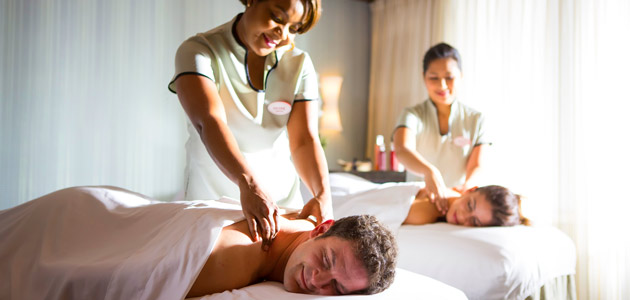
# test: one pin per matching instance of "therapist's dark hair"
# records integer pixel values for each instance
(312, 12)
(441, 50)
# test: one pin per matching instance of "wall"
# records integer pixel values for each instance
(83, 97)
(340, 45)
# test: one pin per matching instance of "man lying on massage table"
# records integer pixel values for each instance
(109, 243)
(354, 255)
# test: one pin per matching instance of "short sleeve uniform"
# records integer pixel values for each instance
(449, 153)
(256, 118)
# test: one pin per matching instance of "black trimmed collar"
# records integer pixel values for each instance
(268, 58)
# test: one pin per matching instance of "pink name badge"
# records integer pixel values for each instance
(279, 108)
(461, 141)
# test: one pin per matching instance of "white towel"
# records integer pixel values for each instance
(107, 243)
(388, 202)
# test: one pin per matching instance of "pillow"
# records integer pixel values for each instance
(487, 262)
(406, 285)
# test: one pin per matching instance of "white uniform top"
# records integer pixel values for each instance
(449, 153)
(256, 118)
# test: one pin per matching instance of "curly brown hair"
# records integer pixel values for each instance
(313, 11)
(374, 245)
(506, 206)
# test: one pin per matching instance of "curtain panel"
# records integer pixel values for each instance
(83, 96)
(550, 76)
(401, 31)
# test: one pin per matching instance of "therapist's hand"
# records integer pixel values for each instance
(441, 204)
(436, 190)
(261, 214)
(319, 207)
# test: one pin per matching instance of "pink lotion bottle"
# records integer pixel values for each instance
(380, 154)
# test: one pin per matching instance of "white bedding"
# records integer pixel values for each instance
(485, 263)
(407, 285)
(121, 249)
(390, 202)
(124, 249)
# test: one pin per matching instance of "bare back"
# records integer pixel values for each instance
(236, 261)
(423, 211)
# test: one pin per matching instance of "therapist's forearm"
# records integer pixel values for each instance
(310, 163)
(200, 99)
(306, 150)
(473, 166)
(471, 177)
(414, 162)
(223, 149)
(405, 145)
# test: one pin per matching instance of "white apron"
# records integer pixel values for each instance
(256, 118)
(449, 152)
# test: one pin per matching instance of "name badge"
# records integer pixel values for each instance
(461, 141)
(279, 108)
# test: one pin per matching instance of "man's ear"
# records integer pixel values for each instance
(321, 228)
(472, 189)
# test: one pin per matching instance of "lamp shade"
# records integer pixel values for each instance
(330, 87)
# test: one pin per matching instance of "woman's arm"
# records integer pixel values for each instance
(309, 159)
(405, 145)
(473, 167)
(201, 102)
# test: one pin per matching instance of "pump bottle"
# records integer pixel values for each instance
(380, 154)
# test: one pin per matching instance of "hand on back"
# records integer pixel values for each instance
(319, 207)
(436, 191)
(261, 215)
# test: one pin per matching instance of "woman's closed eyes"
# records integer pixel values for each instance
(472, 204)
(280, 20)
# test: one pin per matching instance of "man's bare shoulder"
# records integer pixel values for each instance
(236, 261)
(238, 233)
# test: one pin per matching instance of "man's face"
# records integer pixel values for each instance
(326, 266)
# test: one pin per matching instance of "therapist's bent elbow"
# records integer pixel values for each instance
(206, 124)
(404, 155)
(303, 141)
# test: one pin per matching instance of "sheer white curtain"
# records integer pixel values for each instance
(83, 91)
(401, 31)
(594, 162)
(510, 56)
(551, 76)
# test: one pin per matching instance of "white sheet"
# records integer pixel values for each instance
(123, 249)
(52, 249)
(485, 263)
(407, 285)
(390, 202)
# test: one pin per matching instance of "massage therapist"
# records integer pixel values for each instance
(441, 139)
(251, 99)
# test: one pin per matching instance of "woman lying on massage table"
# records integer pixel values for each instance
(491, 205)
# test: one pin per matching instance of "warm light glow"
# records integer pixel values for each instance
(330, 87)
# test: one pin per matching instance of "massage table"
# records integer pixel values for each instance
(110, 243)
(518, 262)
